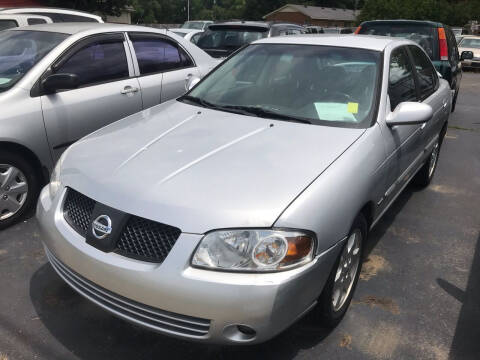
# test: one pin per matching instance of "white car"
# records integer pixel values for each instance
(9, 21)
(57, 15)
(189, 34)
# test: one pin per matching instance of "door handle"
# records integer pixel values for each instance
(129, 90)
(445, 103)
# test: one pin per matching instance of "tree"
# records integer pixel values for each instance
(105, 7)
(456, 13)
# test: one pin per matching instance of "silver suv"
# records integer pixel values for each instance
(60, 82)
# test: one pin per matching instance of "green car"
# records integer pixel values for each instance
(437, 39)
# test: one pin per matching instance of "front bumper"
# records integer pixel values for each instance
(474, 63)
(175, 299)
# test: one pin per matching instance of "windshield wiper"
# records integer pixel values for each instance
(264, 113)
(198, 101)
(245, 110)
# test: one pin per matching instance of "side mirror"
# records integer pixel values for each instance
(56, 82)
(410, 113)
(466, 55)
(191, 82)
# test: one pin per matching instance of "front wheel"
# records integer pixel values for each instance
(338, 291)
(19, 187)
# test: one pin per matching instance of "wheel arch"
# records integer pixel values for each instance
(29, 155)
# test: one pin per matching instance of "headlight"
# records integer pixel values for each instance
(55, 183)
(254, 250)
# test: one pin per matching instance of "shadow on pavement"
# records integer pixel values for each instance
(90, 332)
(466, 341)
(388, 218)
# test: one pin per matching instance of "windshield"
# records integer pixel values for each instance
(424, 36)
(7, 24)
(21, 50)
(197, 25)
(470, 43)
(322, 85)
(229, 39)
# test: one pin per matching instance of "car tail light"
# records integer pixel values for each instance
(442, 39)
(357, 31)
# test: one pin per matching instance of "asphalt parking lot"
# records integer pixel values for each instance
(418, 298)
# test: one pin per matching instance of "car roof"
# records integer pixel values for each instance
(23, 16)
(23, 10)
(377, 43)
(403, 21)
(77, 27)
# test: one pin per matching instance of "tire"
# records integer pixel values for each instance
(454, 102)
(332, 306)
(19, 188)
(425, 174)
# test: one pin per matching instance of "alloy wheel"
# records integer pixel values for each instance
(347, 270)
(13, 190)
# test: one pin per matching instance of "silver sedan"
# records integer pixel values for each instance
(227, 214)
(60, 82)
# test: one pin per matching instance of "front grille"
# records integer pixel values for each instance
(141, 238)
(147, 240)
(153, 318)
(77, 211)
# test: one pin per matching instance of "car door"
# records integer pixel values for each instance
(428, 84)
(164, 67)
(403, 142)
(106, 91)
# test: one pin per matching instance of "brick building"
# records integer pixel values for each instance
(313, 15)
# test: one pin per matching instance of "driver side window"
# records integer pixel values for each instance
(98, 62)
(401, 84)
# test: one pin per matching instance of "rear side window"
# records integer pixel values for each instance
(7, 24)
(97, 62)
(425, 36)
(156, 54)
(426, 73)
(401, 84)
(77, 18)
(34, 21)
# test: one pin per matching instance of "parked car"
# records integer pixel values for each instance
(314, 30)
(222, 39)
(436, 39)
(228, 214)
(469, 49)
(12, 21)
(197, 24)
(188, 34)
(60, 82)
(337, 30)
(57, 15)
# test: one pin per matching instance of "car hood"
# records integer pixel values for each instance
(201, 169)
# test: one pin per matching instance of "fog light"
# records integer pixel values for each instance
(239, 333)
